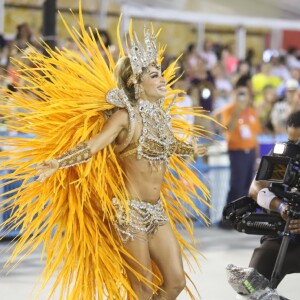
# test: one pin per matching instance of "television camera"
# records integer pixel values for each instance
(282, 171)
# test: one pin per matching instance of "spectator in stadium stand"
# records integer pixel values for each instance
(264, 109)
(183, 84)
(106, 39)
(229, 59)
(204, 82)
(23, 37)
(250, 55)
(209, 55)
(3, 51)
(279, 67)
(70, 45)
(223, 87)
(261, 79)
(243, 125)
(2, 42)
(4, 79)
(190, 60)
(243, 69)
(281, 90)
(283, 109)
(291, 58)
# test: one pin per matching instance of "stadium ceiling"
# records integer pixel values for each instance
(164, 14)
(175, 4)
(289, 8)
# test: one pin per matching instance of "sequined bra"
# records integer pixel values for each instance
(153, 150)
(157, 142)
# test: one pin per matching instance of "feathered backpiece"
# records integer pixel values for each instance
(62, 102)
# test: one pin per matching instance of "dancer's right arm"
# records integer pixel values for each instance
(112, 128)
(82, 152)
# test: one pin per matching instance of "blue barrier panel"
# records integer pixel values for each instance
(199, 167)
(202, 169)
(7, 188)
(267, 142)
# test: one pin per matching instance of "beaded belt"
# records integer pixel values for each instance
(143, 219)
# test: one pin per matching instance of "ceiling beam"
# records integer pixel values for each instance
(1, 16)
(152, 13)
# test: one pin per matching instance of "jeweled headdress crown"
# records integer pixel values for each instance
(142, 56)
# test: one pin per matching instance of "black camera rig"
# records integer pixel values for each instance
(282, 171)
(246, 216)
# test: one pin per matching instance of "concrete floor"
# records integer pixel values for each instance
(220, 247)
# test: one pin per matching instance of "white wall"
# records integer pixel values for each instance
(255, 8)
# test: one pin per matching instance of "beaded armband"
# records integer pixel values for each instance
(77, 155)
(184, 149)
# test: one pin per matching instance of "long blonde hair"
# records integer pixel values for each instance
(122, 73)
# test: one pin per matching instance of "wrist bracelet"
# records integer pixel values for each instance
(264, 198)
(281, 207)
(79, 154)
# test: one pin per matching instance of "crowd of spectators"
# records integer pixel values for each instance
(209, 77)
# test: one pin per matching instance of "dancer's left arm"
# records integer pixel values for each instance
(185, 149)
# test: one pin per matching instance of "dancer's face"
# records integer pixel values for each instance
(153, 85)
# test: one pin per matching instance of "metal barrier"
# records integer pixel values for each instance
(219, 175)
(9, 187)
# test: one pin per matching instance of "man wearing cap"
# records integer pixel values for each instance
(283, 109)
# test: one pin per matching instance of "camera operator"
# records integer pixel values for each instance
(264, 257)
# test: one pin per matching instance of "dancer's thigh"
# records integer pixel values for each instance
(165, 251)
(139, 249)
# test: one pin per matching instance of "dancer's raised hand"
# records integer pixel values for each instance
(46, 169)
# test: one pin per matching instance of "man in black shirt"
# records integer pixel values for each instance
(264, 257)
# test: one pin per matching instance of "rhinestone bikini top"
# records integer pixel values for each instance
(157, 142)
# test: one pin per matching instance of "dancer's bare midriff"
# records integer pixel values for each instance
(143, 180)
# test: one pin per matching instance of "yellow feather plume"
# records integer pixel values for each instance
(61, 104)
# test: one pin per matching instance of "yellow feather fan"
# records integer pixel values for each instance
(62, 103)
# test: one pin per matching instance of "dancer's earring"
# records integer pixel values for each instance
(136, 91)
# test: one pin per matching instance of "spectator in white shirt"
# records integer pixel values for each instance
(209, 55)
(223, 87)
(283, 109)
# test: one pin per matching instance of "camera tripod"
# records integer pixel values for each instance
(275, 278)
(292, 213)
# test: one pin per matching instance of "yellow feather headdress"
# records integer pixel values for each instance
(61, 103)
